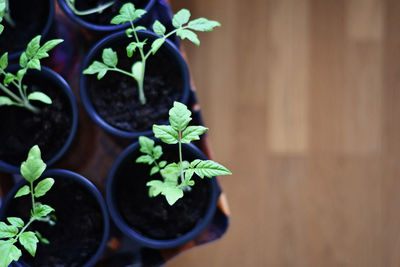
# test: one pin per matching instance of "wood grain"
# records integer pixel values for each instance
(302, 98)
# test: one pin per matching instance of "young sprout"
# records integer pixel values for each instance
(99, 9)
(183, 28)
(30, 59)
(177, 177)
(17, 230)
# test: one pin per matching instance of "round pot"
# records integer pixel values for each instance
(96, 27)
(84, 185)
(118, 41)
(113, 192)
(24, 26)
(47, 76)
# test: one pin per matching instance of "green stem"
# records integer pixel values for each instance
(180, 156)
(31, 220)
(32, 196)
(11, 94)
(99, 9)
(140, 81)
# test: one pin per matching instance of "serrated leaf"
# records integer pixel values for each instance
(42, 210)
(29, 241)
(39, 96)
(145, 159)
(159, 28)
(195, 162)
(127, 13)
(157, 152)
(210, 168)
(162, 164)
(97, 67)
(154, 170)
(43, 187)
(8, 253)
(137, 70)
(179, 116)
(188, 174)
(4, 61)
(17, 222)
(23, 191)
(139, 13)
(9, 77)
(7, 231)
(146, 145)
(166, 133)
(20, 74)
(140, 28)
(110, 57)
(23, 60)
(203, 24)
(183, 34)
(180, 18)
(50, 45)
(34, 64)
(172, 194)
(33, 167)
(131, 48)
(171, 173)
(156, 187)
(129, 32)
(192, 133)
(157, 43)
(6, 101)
(33, 47)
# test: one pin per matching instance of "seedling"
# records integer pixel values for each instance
(16, 230)
(30, 59)
(177, 132)
(183, 28)
(99, 9)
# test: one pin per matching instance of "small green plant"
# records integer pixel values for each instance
(16, 230)
(99, 9)
(29, 59)
(177, 132)
(183, 28)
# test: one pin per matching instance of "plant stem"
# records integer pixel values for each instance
(180, 156)
(32, 196)
(31, 220)
(99, 9)
(140, 81)
(11, 94)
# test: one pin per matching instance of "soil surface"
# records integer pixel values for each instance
(105, 17)
(154, 217)
(116, 96)
(77, 233)
(21, 129)
(30, 19)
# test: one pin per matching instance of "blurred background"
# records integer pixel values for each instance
(302, 101)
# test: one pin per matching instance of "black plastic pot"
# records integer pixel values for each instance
(50, 77)
(128, 156)
(48, 5)
(91, 190)
(117, 40)
(102, 28)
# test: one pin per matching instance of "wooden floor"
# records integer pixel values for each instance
(303, 101)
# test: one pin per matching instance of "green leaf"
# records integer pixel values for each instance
(166, 133)
(127, 13)
(4, 61)
(137, 70)
(157, 152)
(146, 145)
(171, 173)
(9, 78)
(203, 25)
(23, 60)
(156, 187)
(195, 162)
(129, 32)
(33, 47)
(110, 57)
(22, 191)
(154, 170)
(7, 231)
(180, 18)
(15, 254)
(183, 34)
(42, 210)
(42, 52)
(145, 159)
(157, 43)
(33, 167)
(97, 67)
(210, 168)
(192, 133)
(1, 28)
(162, 164)
(179, 116)
(159, 28)
(43, 187)
(34, 64)
(133, 46)
(41, 238)
(20, 74)
(6, 101)
(172, 194)
(8, 253)
(39, 96)
(188, 175)
(29, 241)
(140, 28)
(17, 222)
(139, 13)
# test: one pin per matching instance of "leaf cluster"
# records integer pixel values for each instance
(177, 132)
(16, 229)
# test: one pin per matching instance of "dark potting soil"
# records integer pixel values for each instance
(30, 19)
(154, 217)
(78, 230)
(105, 17)
(116, 96)
(21, 129)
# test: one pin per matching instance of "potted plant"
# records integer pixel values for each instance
(21, 26)
(96, 15)
(72, 226)
(36, 107)
(133, 92)
(168, 209)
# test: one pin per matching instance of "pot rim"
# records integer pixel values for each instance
(63, 85)
(169, 47)
(140, 238)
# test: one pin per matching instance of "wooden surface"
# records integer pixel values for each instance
(303, 101)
